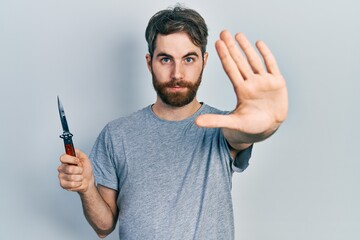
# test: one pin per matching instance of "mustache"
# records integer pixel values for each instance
(178, 83)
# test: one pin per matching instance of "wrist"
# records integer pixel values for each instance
(89, 187)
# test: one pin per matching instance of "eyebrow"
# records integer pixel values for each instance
(163, 54)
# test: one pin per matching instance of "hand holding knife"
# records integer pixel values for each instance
(66, 136)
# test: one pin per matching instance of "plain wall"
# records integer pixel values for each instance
(301, 183)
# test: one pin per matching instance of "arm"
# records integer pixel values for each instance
(262, 101)
(99, 203)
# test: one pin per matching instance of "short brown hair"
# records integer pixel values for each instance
(177, 19)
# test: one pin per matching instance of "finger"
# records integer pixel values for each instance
(216, 121)
(236, 54)
(229, 65)
(80, 154)
(227, 61)
(251, 54)
(70, 185)
(70, 177)
(269, 58)
(70, 169)
(67, 159)
(82, 157)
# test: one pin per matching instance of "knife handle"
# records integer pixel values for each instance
(68, 144)
(69, 149)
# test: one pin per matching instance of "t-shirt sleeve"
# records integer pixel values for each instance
(241, 161)
(104, 161)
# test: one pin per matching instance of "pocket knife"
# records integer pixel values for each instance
(66, 136)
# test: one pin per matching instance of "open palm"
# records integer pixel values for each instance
(262, 102)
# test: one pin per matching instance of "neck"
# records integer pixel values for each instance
(171, 113)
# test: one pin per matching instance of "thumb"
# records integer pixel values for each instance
(216, 121)
(81, 156)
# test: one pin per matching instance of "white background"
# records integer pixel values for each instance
(301, 184)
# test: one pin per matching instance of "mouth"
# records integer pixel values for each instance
(176, 88)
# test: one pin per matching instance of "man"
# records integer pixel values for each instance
(164, 172)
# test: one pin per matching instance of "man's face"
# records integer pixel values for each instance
(176, 68)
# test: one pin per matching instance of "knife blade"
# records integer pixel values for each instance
(67, 135)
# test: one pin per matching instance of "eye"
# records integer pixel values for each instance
(165, 60)
(189, 60)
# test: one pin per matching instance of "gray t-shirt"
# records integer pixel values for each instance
(173, 178)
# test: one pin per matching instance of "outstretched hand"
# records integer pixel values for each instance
(262, 101)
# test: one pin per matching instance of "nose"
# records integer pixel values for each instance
(177, 71)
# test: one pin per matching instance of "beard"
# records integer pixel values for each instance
(176, 99)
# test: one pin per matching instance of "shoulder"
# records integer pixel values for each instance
(207, 109)
(129, 120)
(120, 126)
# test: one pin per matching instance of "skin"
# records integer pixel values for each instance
(99, 202)
(261, 92)
(261, 107)
(176, 57)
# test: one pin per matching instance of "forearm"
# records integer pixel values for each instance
(97, 212)
(240, 141)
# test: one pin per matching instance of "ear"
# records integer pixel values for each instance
(148, 61)
(206, 55)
